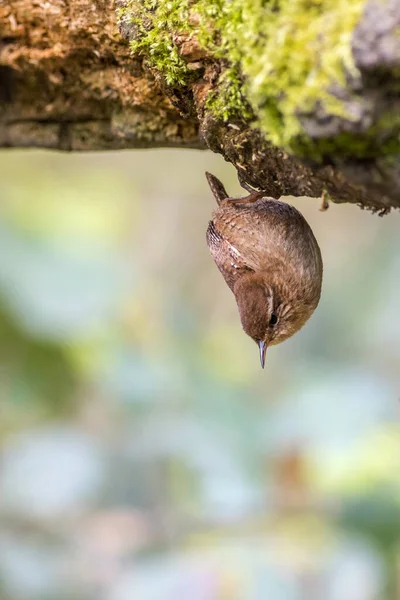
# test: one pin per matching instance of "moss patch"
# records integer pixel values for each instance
(279, 59)
(300, 48)
(154, 24)
(228, 101)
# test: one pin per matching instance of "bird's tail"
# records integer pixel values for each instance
(216, 187)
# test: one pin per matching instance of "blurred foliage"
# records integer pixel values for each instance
(37, 380)
(144, 453)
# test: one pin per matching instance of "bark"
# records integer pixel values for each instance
(69, 81)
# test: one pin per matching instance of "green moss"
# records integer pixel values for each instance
(155, 23)
(289, 52)
(278, 57)
(301, 47)
(228, 101)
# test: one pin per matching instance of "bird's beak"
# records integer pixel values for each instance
(263, 348)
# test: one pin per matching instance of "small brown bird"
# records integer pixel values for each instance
(269, 258)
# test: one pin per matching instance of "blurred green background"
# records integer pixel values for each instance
(144, 453)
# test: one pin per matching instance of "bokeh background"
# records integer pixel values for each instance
(144, 453)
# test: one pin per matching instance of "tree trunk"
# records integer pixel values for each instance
(302, 97)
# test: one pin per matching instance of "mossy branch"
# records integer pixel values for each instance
(301, 96)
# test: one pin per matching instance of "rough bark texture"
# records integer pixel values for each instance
(69, 81)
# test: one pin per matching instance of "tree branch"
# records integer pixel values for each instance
(301, 101)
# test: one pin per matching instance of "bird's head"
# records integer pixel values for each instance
(268, 316)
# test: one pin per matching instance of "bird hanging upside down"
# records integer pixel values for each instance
(269, 258)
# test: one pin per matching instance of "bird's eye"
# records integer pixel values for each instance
(273, 320)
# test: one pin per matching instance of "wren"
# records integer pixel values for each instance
(270, 259)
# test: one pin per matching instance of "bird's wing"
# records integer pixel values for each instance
(227, 257)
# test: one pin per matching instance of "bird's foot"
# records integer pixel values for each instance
(246, 186)
(252, 197)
